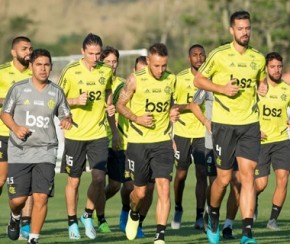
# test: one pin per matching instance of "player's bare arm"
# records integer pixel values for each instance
(110, 108)
(78, 101)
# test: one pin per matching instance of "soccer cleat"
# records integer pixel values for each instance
(199, 224)
(90, 230)
(13, 228)
(123, 220)
(24, 232)
(212, 231)
(131, 227)
(33, 241)
(228, 233)
(159, 242)
(176, 222)
(140, 233)
(74, 232)
(248, 240)
(104, 228)
(272, 224)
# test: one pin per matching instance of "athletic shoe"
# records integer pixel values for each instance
(90, 230)
(24, 232)
(199, 224)
(213, 231)
(74, 232)
(123, 220)
(272, 224)
(104, 228)
(13, 228)
(131, 227)
(33, 241)
(140, 233)
(176, 222)
(248, 240)
(228, 233)
(159, 242)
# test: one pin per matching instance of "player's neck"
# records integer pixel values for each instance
(241, 49)
(273, 83)
(39, 85)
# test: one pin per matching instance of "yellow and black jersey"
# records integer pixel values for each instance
(9, 74)
(91, 118)
(226, 63)
(273, 113)
(187, 125)
(153, 96)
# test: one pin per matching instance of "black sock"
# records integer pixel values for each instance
(101, 219)
(178, 206)
(214, 213)
(25, 220)
(88, 213)
(72, 219)
(247, 227)
(160, 231)
(126, 208)
(275, 211)
(134, 215)
(141, 219)
(199, 213)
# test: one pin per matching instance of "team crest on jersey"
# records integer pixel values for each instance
(167, 89)
(102, 81)
(254, 66)
(51, 104)
(26, 102)
(283, 97)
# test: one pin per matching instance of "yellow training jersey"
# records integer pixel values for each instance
(187, 125)
(273, 113)
(91, 118)
(152, 96)
(226, 63)
(9, 74)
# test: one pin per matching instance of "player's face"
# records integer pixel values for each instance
(22, 52)
(41, 68)
(274, 70)
(157, 65)
(197, 57)
(241, 31)
(111, 60)
(91, 55)
(140, 66)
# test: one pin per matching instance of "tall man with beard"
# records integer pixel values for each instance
(235, 70)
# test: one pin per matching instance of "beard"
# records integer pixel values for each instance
(276, 79)
(23, 61)
(243, 43)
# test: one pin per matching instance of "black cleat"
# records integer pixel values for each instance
(13, 229)
(228, 233)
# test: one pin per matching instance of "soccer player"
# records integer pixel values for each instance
(275, 148)
(189, 135)
(150, 153)
(235, 70)
(28, 111)
(87, 86)
(11, 72)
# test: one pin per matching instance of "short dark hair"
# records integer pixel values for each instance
(159, 48)
(18, 39)
(108, 50)
(39, 53)
(92, 39)
(242, 14)
(273, 55)
(140, 59)
(195, 46)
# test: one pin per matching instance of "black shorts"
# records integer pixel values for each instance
(76, 153)
(231, 141)
(277, 153)
(210, 163)
(3, 148)
(148, 161)
(26, 179)
(187, 150)
(116, 165)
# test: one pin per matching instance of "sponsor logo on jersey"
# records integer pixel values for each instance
(38, 121)
(232, 65)
(158, 106)
(38, 102)
(273, 112)
(26, 102)
(91, 83)
(27, 90)
(242, 65)
(147, 91)
(51, 93)
(156, 90)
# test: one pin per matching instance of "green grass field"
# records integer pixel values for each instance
(55, 227)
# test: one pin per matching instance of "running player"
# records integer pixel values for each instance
(275, 148)
(11, 72)
(189, 135)
(87, 86)
(150, 152)
(234, 70)
(28, 112)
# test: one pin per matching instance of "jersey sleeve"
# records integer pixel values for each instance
(209, 67)
(10, 101)
(199, 96)
(63, 108)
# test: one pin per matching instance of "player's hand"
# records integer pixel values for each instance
(21, 132)
(66, 123)
(174, 113)
(263, 88)
(111, 110)
(145, 120)
(263, 136)
(82, 99)
(231, 88)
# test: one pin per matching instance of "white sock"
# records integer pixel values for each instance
(32, 235)
(228, 223)
(17, 217)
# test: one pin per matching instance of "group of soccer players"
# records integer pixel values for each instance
(227, 113)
